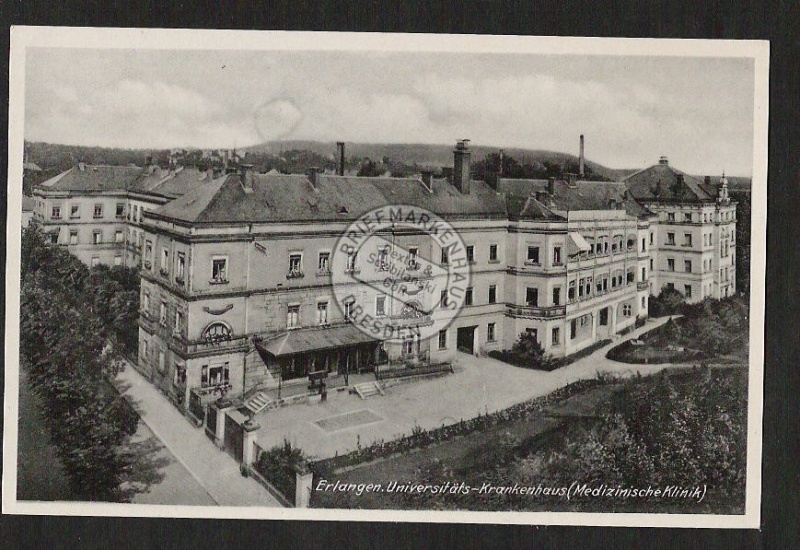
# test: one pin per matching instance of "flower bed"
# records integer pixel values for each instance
(422, 438)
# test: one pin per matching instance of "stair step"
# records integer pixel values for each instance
(258, 402)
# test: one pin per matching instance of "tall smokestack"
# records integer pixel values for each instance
(461, 166)
(581, 158)
(340, 166)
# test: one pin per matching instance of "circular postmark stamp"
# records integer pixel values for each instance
(400, 272)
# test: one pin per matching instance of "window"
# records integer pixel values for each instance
(573, 329)
(442, 339)
(322, 313)
(352, 262)
(383, 258)
(97, 237)
(214, 375)
(492, 294)
(468, 296)
(557, 255)
(148, 253)
(532, 297)
(629, 277)
(670, 216)
(670, 264)
(55, 213)
(54, 237)
(118, 237)
(219, 270)
(348, 311)
(470, 254)
(687, 291)
(588, 286)
(162, 361)
(293, 316)
(571, 291)
(75, 211)
(144, 348)
(652, 238)
(651, 264)
(644, 302)
(644, 244)
(533, 255)
(380, 306)
(671, 238)
(164, 260)
(98, 210)
(630, 243)
(180, 267)
(95, 261)
(445, 256)
(687, 217)
(217, 332)
(534, 332)
(626, 310)
(687, 239)
(644, 274)
(411, 263)
(581, 285)
(324, 263)
(145, 302)
(180, 375)
(120, 210)
(73, 237)
(117, 260)
(176, 328)
(295, 266)
(408, 345)
(557, 296)
(162, 314)
(493, 253)
(490, 332)
(136, 212)
(556, 336)
(670, 286)
(687, 266)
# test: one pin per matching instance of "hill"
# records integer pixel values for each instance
(426, 155)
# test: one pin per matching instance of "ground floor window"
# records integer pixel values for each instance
(442, 339)
(556, 336)
(490, 332)
(214, 375)
(162, 361)
(626, 310)
(180, 375)
(534, 332)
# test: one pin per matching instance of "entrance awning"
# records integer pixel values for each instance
(313, 339)
(577, 244)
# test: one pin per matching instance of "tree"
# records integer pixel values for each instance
(528, 352)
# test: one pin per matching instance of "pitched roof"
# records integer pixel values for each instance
(86, 177)
(292, 197)
(662, 182)
(169, 183)
(528, 199)
(31, 166)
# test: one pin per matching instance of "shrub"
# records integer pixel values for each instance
(279, 465)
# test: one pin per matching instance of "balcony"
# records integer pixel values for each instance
(218, 342)
(295, 274)
(323, 271)
(643, 285)
(353, 270)
(536, 311)
(399, 321)
(218, 281)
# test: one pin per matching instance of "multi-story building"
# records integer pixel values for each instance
(694, 235)
(96, 211)
(238, 268)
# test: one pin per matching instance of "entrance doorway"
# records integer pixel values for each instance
(604, 316)
(465, 339)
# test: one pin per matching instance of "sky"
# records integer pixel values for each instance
(632, 109)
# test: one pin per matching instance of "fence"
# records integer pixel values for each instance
(404, 372)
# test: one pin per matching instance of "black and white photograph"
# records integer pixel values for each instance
(338, 276)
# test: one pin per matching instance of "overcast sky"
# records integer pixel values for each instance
(697, 111)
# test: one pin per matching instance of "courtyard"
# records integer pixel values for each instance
(479, 385)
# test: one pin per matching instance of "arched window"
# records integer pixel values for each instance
(217, 332)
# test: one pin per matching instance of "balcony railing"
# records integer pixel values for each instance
(410, 321)
(643, 285)
(219, 281)
(412, 265)
(216, 342)
(295, 274)
(535, 311)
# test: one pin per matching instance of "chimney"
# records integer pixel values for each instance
(313, 175)
(427, 178)
(461, 166)
(340, 165)
(663, 160)
(551, 186)
(247, 177)
(707, 180)
(581, 158)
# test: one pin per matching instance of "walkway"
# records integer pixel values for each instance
(480, 385)
(215, 470)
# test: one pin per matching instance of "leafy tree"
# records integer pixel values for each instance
(369, 169)
(529, 352)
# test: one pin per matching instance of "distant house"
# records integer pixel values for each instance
(28, 205)
(31, 167)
